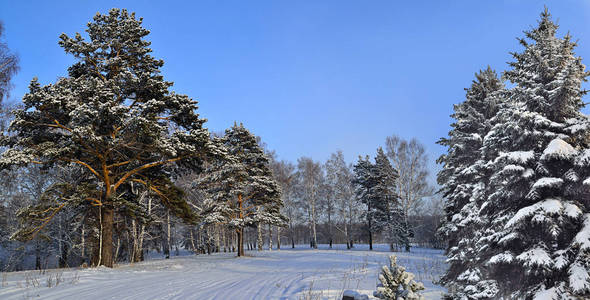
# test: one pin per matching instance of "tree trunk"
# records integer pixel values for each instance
(193, 242)
(278, 238)
(346, 235)
(240, 233)
(106, 253)
(117, 249)
(224, 237)
(313, 227)
(82, 250)
(218, 231)
(94, 249)
(260, 241)
(330, 227)
(168, 246)
(269, 237)
(370, 227)
(37, 256)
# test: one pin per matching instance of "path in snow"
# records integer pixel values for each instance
(286, 274)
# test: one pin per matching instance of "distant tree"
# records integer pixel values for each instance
(8, 66)
(367, 180)
(339, 176)
(397, 230)
(241, 187)
(410, 161)
(113, 114)
(284, 174)
(310, 178)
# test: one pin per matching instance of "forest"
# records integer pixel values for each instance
(148, 175)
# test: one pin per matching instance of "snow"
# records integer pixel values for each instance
(558, 148)
(548, 182)
(561, 260)
(547, 294)
(505, 257)
(584, 158)
(286, 274)
(583, 237)
(579, 278)
(548, 206)
(518, 156)
(571, 210)
(528, 173)
(535, 257)
(513, 168)
(469, 275)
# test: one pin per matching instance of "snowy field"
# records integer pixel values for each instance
(286, 274)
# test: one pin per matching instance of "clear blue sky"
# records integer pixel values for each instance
(309, 77)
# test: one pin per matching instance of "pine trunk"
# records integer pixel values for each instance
(260, 241)
(269, 237)
(239, 233)
(370, 226)
(278, 238)
(106, 243)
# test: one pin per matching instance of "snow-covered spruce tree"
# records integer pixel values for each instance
(114, 115)
(366, 181)
(241, 188)
(386, 199)
(463, 180)
(397, 284)
(537, 245)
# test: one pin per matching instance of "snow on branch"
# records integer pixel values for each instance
(559, 149)
(546, 207)
(583, 237)
(517, 156)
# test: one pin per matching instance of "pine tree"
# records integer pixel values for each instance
(369, 191)
(114, 115)
(397, 284)
(463, 180)
(389, 210)
(242, 189)
(536, 245)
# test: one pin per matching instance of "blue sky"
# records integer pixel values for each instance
(310, 77)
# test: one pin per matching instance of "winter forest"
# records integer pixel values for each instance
(112, 184)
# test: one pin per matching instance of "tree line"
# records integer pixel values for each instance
(108, 163)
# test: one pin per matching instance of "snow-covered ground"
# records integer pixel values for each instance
(286, 274)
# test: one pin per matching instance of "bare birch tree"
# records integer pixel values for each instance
(410, 160)
(310, 176)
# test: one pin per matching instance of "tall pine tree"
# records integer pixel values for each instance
(463, 180)
(369, 190)
(536, 244)
(115, 116)
(241, 187)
